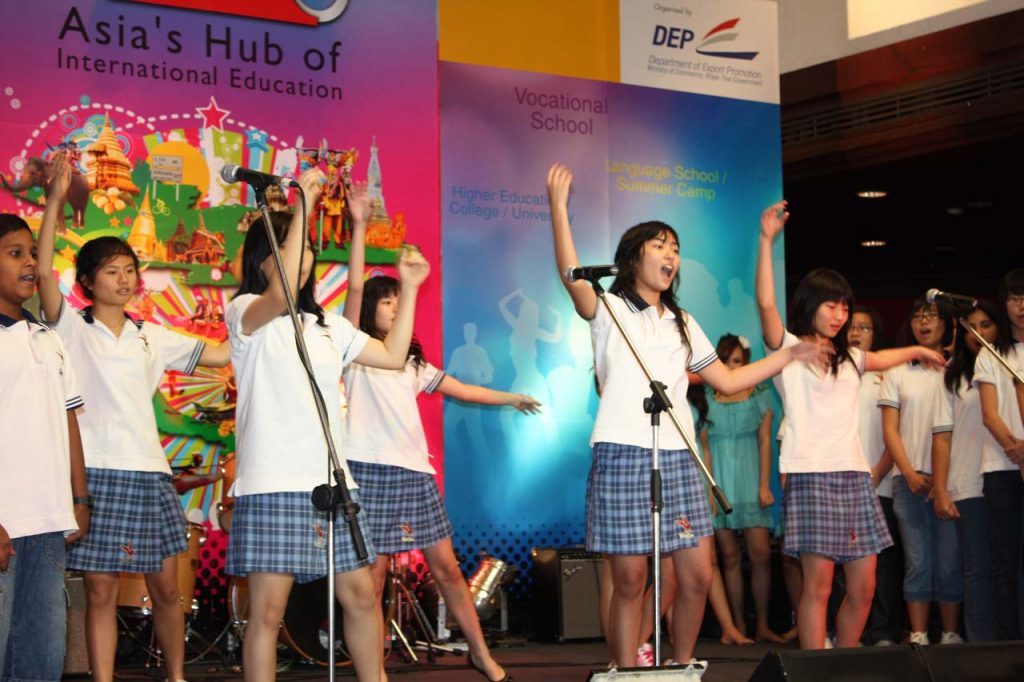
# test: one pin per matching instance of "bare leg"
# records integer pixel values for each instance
(668, 594)
(101, 623)
(732, 573)
(792, 575)
(817, 585)
(629, 575)
(268, 597)
(445, 569)
(379, 572)
(759, 547)
(605, 592)
(168, 617)
(860, 590)
(917, 611)
(693, 577)
(363, 636)
(949, 613)
(720, 606)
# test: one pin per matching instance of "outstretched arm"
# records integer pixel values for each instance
(271, 303)
(471, 393)
(877, 361)
(50, 298)
(773, 219)
(360, 209)
(216, 356)
(581, 293)
(728, 381)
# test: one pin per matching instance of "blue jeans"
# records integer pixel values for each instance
(972, 532)
(33, 610)
(932, 570)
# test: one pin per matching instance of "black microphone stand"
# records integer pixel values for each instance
(657, 403)
(325, 497)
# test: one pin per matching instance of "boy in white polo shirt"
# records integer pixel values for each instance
(43, 491)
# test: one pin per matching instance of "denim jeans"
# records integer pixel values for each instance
(887, 617)
(33, 610)
(932, 553)
(972, 532)
(1004, 498)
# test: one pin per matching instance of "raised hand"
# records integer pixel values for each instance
(773, 219)
(931, 358)
(312, 182)
(61, 180)
(527, 404)
(413, 268)
(559, 184)
(814, 353)
(360, 206)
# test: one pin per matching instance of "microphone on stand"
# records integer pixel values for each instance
(955, 300)
(590, 272)
(232, 172)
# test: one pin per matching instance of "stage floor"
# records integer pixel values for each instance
(526, 661)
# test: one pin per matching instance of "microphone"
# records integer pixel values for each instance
(232, 172)
(590, 272)
(956, 300)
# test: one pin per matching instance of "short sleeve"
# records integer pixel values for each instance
(702, 353)
(233, 318)
(181, 352)
(348, 341)
(942, 412)
(428, 378)
(68, 323)
(984, 368)
(762, 398)
(889, 393)
(72, 396)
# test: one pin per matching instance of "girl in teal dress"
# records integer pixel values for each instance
(737, 437)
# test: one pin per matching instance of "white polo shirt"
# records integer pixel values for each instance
(961, 414)
(911, 389)
(988, 370)
(35, 460)
(281, 447)
(119, 374)
(871, 438)
(382, 424)
(620, 414)
(821, 430)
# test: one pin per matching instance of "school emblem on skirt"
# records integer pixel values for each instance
(407, 534)
(320, 536)
(685, 529)
(129, 553)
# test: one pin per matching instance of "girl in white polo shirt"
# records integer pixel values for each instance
(138, 525)
(831, 512)
(671, 342)
(932, 570)
(1002, 460)
(277, 537)
(958, 438)
(386, 448)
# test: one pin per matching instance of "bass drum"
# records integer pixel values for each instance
(304, 628)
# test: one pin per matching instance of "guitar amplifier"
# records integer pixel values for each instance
(566, 593)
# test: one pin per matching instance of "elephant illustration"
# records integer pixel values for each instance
(40, 173)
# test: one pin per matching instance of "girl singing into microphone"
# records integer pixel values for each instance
(671, 342)
(277, 537)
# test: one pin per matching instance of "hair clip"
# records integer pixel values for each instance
(744, 342)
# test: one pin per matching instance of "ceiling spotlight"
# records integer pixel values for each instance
(872, 194)
(955, 210)
(873, 243)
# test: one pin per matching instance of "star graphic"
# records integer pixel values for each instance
(256, 139)
(213, 115)
(114, 222)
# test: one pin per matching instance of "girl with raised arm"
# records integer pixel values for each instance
(387, 447)
(671, 342)
(138, 525)
(277, 537)
(832, 514)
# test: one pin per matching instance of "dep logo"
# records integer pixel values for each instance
(677, 37)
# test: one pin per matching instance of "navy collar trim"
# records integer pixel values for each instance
(26, 316)
(633, 301)
(87, 316)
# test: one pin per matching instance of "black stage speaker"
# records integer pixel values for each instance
(566, 586)
(76, 656)
(981, 662)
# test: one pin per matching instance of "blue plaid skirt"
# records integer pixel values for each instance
(136, 522)
(284, 533)
(404, 507)
(619, 500)
(835, 514)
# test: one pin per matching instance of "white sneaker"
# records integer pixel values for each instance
(645, 656)
(830, 643)
(951, 638)
(919, 638)
(885, 642)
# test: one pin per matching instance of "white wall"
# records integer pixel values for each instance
(816, 31)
